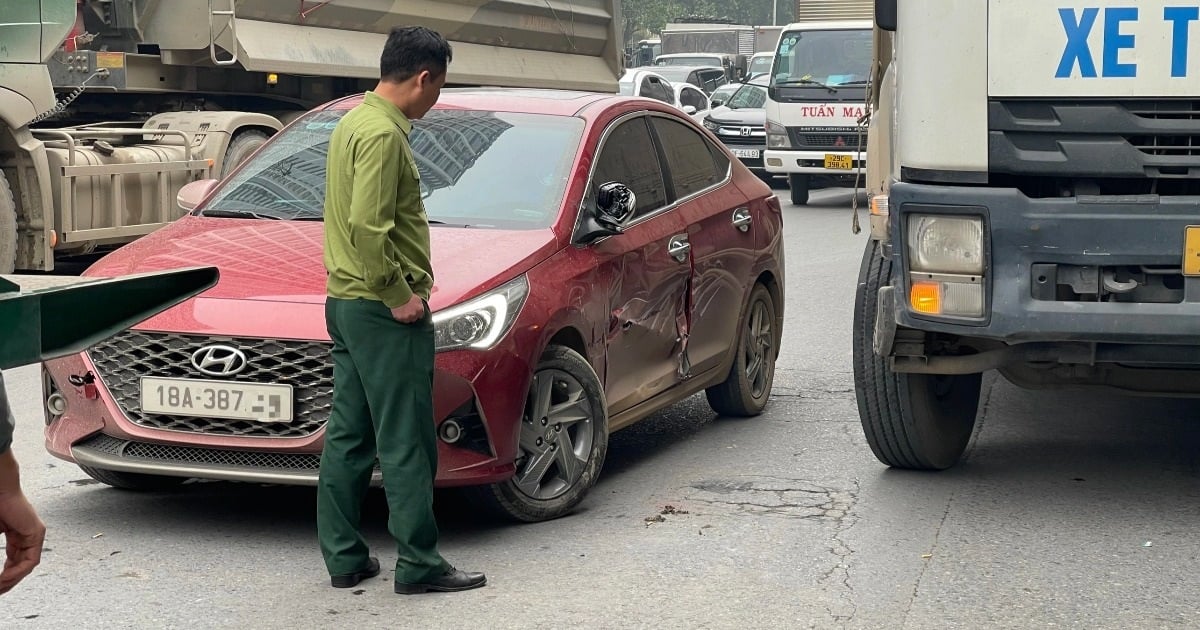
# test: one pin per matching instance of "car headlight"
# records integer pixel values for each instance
(480, 322)
(710, 125)
(777, 136)
(945, 244)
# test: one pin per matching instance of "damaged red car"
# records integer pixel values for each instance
(597, 258)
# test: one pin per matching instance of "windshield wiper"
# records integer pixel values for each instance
(863, 82)
(237, 214)
(832, 90)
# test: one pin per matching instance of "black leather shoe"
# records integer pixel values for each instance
(347, 581)
(451, 581)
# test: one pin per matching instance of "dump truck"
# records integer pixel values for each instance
(1034, 180)
(109, 107)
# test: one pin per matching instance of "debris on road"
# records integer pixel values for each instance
(671, 509)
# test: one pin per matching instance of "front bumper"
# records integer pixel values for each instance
(475, 388)
(1024, 237)
(811, 162)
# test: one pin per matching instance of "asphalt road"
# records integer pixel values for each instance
(1069, 510)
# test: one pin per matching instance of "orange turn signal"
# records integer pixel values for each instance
(53, 239)
(926, 297)
(879, 205)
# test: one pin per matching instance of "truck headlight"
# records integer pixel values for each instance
(945, 255)
(945, 244)
(777, 136)
(480, 322)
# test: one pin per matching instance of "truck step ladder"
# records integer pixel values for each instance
(230, 19)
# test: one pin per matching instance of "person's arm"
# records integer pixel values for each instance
(377, 162)
(23, 530)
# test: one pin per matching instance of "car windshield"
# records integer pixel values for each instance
(760, 65)
(828, 57)
(688, 61)
(482, 169)
(749, 96)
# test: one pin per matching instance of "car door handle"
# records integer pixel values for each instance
(742, 219)
(678, 247)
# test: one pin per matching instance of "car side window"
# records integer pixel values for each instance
(693, 97)
(690, 158)
(654, 88)
(629, 157)
(713, 79)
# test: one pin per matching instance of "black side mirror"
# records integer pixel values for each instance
(615, 204)
(885, 14)
(716, 102)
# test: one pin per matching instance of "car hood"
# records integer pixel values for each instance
(744, 116)
(267, 265)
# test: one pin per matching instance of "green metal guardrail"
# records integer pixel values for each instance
(51, 322)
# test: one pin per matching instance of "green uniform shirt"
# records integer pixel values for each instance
(376, 231)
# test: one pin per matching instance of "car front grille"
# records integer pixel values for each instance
(123, 360)
(127, 449)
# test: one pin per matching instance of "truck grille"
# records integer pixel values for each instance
(123, 360)
(1110, 140)
(839, 140)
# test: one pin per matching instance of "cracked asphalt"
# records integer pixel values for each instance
(1073, 510)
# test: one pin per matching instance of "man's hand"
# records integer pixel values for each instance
(23, 530)
(411, 312)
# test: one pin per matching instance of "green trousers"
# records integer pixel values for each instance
(382, 407)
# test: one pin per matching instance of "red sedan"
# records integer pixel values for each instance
(597, 258)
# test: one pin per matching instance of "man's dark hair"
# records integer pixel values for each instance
(411, 50)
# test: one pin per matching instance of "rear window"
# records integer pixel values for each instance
(483, 169)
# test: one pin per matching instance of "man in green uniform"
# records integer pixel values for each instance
(377, 257)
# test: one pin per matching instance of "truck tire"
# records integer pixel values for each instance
(799, 185)
(244, 143)
(915, 421)
(8, 227)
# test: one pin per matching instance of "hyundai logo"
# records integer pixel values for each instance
(219, 360)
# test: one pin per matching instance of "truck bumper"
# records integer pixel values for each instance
(1033, 246)
(811, 162)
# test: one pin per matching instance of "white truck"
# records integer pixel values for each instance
(1034, 172)
(817, 95)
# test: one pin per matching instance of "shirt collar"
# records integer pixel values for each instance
(390, 110)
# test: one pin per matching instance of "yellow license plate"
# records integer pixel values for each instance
(1191, 250)
(839, 162)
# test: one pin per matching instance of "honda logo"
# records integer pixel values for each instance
(747, 131)
(219, 360)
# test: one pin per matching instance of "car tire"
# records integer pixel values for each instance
(8, 227)
(914, 421)
(132, 481)
(526, 498)
(799, 185)
(243, 145)
(747, 388)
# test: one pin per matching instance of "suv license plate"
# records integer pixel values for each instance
(751, 154)
(839, 162)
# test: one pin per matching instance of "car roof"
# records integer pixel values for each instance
(688, 68)
(523, 100)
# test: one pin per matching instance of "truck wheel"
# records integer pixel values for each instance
(243, 144)
(799, 186)
(8, 228)
(746, 390)
(563, 441)
(132, 481)
(917, 421)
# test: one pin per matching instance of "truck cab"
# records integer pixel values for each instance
(1034, 180)
(815, 104)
